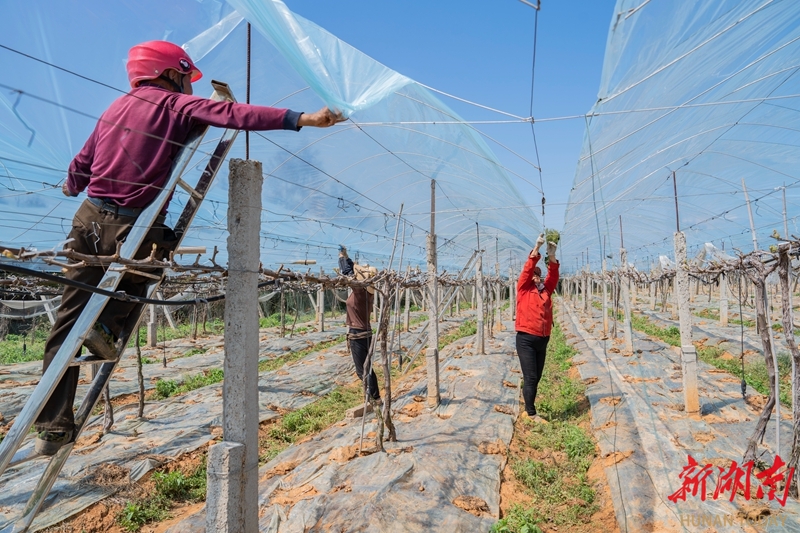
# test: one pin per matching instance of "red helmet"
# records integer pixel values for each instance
(149, 60)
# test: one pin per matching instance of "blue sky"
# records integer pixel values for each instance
(482, 51)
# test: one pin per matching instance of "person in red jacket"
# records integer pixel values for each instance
(534, 321)
(122, 167)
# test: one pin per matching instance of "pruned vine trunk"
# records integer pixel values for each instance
(784, 272)
(758, 278)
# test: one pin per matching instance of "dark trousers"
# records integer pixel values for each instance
(359, 348)
(531, 350)
(94, 232)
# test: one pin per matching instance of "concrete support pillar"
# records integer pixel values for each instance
(723, 300)
(48, 307)
(479, 337)
(167, 312)
(458, 301)
(321, 304)
(233, 488)
(605, 300)
(625, 296)
(674, 312)
(512, 293)
(432, 354)
(407, 318)
(225, 510)
(688, 352)
(586, 297)
(283, 312)
(498, 319)
(152, 328)
(653, 295)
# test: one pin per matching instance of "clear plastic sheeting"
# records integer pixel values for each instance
(342, 185)
(708, 90)
(22, 309)
(645, 437)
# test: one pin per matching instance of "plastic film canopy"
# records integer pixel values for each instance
(710, 91)
(323, 187)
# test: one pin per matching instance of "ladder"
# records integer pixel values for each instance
(10, 455)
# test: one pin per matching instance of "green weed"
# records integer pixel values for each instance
(168, 387)
(308, 420)
(169, 488)
(277, 362)
(518, 520)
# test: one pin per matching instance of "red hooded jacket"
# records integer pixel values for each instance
(534, 307)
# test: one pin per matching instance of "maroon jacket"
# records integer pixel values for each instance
(534, 307)
(128, 156)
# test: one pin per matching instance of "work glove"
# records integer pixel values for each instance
(540, 241)
(551, 251)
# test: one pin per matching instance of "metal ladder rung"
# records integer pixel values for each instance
(91, 359)
(191, 190)
(23, 456)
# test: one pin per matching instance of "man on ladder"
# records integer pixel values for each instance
(122, 167)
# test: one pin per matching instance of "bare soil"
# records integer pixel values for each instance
(512, 492)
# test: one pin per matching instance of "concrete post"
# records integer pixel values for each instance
(237, 487)
(605, 300)
(48, 307)
(458, 301)
(723, 300)
(167, 312)
(688, 352)
(152, 328)
(224, 508)
(407, 320)
(432, 354)
(283, 312)
(321, 304)
(625, 294)
(479, 342)
(674, 312)
(512, 293)
(586, 297)
(653, 295)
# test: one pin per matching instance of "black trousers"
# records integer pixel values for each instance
(531, 350)
(359, 348)
(94, 232)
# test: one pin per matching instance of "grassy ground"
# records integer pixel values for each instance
(713, 314)
(308, 420)
(551, 461)
(19, 348)
(170, 488)
(274, 364)
(467, 328)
